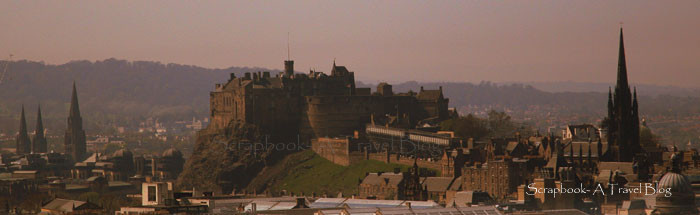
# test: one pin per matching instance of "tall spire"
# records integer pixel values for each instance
(39, 123)
(634, 100)
(622, 64)
(39, 144)
(75, 135)
(23, 145)
(74, 109)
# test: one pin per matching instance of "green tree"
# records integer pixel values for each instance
(500, 123)
(469, 126)
(110, 148)
(647, 138)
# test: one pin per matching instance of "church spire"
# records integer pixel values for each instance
(39, 123)
(23, 143)
(39, 144)
(75, 135)
(74, 109)
(634, 100)
(622, 64)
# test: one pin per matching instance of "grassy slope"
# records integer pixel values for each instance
(307, 172)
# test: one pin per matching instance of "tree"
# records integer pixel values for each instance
(500, 123)
(469, 126)
(110, 148)
(646, 138)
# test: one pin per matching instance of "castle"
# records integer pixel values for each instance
(316, 104)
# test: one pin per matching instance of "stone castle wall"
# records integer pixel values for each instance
(340, 151)
(311, 106)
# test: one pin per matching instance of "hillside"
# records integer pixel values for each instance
(307, 172)
(110, 91)
(124, 93)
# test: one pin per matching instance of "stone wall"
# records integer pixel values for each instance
(436, 165)
(340, 151)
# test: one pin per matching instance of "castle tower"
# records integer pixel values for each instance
(23, 143)
(39, 144)
(288, 68)
(623, 118)
(75, 135)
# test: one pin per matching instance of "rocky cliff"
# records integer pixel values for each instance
(229, 159)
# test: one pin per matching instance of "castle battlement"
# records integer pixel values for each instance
(315, 104)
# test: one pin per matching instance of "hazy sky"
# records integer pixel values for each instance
(379, 40)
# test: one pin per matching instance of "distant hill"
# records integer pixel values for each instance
(123, 92)
(109, 91)
(644, 89)
(521, 96)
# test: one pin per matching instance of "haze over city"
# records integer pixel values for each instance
(382, 41)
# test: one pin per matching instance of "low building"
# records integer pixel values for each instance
(158, 198)
(500, 178)
(67, 206)
(382, 186)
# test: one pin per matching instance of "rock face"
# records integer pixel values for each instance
(224, 160)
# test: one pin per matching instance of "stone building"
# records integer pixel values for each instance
(382, 186)
(342, 151)
(500, 178)
(314, 104)
(75, 135)
(166, 167)
(623, 116)
(23, 144)
(118, 166)
(396, 185)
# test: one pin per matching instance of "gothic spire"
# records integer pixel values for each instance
(634, 100)
(22, 123)
(39, 123)
(610, 99)
(74, 142)
(74, 109)
(39, 144)
(622, 65)
(23, 145)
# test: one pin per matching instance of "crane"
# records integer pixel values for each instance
(4, 71)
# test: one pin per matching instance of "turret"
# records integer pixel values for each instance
(288, 68)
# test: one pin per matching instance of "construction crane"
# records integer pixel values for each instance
(4, 70)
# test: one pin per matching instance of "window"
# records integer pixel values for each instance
(151, 193)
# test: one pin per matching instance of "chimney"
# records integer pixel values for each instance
(301, 203)
(266, 75)
(233, 76)
(408, 204)
(154, 168)
(253, 208)
(247, 75)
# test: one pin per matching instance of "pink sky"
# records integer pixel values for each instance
(380, 40)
